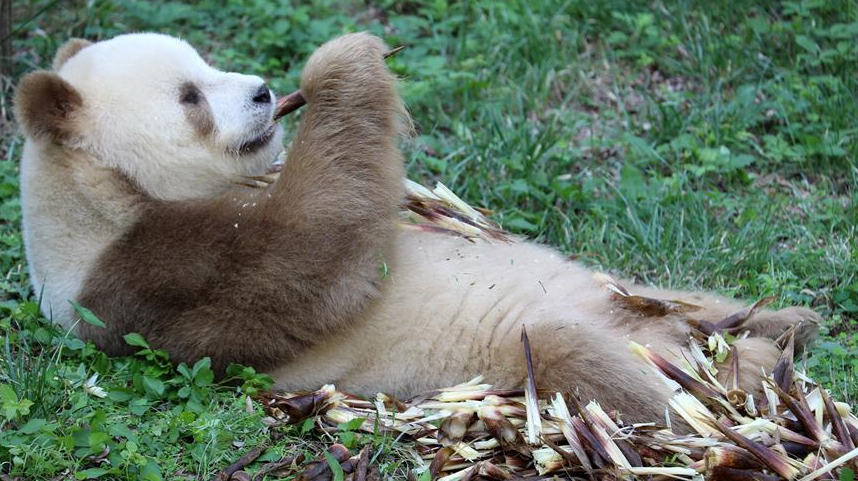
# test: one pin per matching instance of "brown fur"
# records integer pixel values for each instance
(45, 106)
(199, 114)
(755, 355)
(255, 277)
(767, 324)
(605, 363)
(68, 50)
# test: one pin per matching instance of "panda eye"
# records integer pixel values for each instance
(190, 95)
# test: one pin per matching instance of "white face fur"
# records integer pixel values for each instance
(154, 109)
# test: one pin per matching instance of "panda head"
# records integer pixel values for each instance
(149, 105)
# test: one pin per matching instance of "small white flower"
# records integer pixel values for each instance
(90, 387)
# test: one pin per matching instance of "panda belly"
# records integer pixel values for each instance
(65, 228)
(450, 310)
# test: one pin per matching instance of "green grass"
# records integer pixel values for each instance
(706, 145)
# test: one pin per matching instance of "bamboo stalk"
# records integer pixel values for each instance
(320, 466)
(804, 416)
(674, 373)
(768, 457)
(284, 463)
(837, 424)
(832, 465)
(534, 422)
(727, 456)
(241, 463)
(783, 371)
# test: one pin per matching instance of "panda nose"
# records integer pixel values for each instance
(262, 95)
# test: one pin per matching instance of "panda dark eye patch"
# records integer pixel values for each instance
(189, 94)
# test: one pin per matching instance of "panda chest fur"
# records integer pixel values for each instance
(71, 216)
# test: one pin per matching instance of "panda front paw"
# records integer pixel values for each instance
(773, 324)
(350, 63)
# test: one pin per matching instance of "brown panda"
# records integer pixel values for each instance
(131, 210)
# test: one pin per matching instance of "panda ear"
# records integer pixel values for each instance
(68, 50)
(47, 106)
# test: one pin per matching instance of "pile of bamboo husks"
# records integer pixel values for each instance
(437, 210)
(440, 210)
(474, 431)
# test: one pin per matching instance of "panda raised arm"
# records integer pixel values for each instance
(130, 207)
